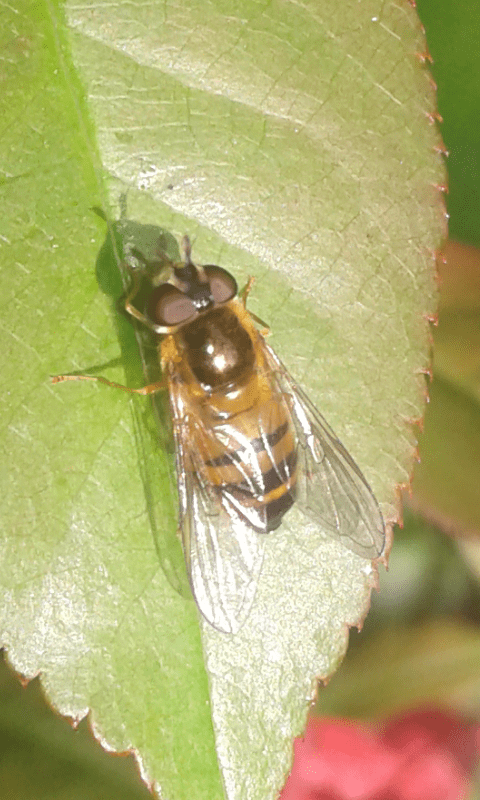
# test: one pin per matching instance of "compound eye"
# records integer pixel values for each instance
(223, 286)
(168, 306)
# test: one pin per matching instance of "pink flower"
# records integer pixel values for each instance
(427, 754)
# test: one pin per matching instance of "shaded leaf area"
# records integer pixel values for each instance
(43, 754)
(139, 357)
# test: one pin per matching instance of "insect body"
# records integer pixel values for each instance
(248, 442)
(236, 428)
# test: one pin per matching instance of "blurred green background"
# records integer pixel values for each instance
(453, 36)
(421, 640)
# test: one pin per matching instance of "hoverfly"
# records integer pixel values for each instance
(248, 441)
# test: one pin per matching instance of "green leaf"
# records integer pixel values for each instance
(291, 143)
(43, 755)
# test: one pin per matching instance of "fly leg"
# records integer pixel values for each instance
(246, 290)
(152, 388)
(265, 329)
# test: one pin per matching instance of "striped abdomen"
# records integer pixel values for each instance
(256, 469)
(242, 439)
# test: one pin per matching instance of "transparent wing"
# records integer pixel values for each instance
(331, 487)
(223, 552)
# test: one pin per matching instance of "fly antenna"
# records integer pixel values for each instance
(191, 279)
(187, 251)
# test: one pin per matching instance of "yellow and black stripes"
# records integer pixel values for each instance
(262, 475)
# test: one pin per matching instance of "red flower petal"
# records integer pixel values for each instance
(427, 754)
(342, 760)
(435, 727)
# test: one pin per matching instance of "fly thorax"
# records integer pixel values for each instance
(218, 349)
